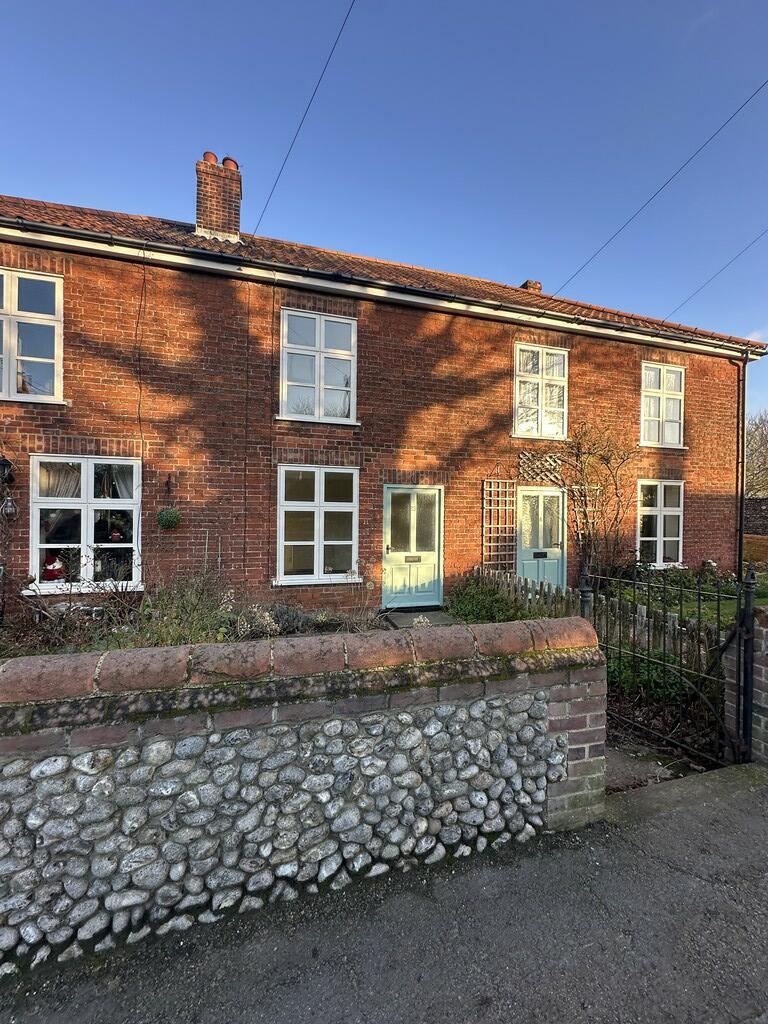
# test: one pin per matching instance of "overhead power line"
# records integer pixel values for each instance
(304, 115)
(661, 187)
(717, 273)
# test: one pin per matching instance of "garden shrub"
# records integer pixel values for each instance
(481, 600)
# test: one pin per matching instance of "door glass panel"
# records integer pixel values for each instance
(59, 480)
(301, 368)
(59, 525)
(299, 559)
(299, 525)
(299, 485)
(400, 521)
(337, 558)
(551, 537)
(113, 526)
(301, 330)
(36, 296)
(426, 513)
(339, 487)
(529, 521)
(338, 526)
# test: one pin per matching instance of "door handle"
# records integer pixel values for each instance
(388, 549)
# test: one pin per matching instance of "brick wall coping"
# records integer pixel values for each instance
(67, 677)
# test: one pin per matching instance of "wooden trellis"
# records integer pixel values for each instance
(499, 533)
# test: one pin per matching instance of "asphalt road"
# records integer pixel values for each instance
(659, 916)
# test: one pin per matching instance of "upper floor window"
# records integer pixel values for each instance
(662, 405)
(318, 366)
(541, 391)
(30, 336)
(660, 521)
(85, 522)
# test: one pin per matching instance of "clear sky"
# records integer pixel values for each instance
(496, 138)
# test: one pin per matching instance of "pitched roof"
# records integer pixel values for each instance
(271, 251)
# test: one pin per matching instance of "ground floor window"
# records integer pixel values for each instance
(317, 524)
(85, 521)
(660, 521)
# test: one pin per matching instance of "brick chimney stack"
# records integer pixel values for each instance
(219, 192)
(531, 286)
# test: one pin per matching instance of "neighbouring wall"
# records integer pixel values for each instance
(733, 709)
(145, 790)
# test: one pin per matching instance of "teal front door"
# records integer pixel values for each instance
(412, 557)
(541, 535)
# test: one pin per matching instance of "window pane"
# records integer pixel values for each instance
(338, 372)
(338, 335)
(554, 423)
(551, 538)
(59, 480)
(113, 526)
(648, 526)
(527, 420)
(299, 485)
(37, 296)
(299, 526)
(554, 396)
(301, 368)
(528, 360)
(529, 393)
(672, 526)
(2, 291)
(112, 480)
(59, 525)
(671, 433)
(673, 380)
(59, 565)
(339, 486)
(672, 496)
(652, 406)
(299, 559)
(112, 564)
(337, 558)
(671, 550)
(400, 521)
(648, 551)
(652, 431)
(301, 330)
(338, 526)
(529, 521)
(673, 408)
(34, 378)
(37, 340)
(651, 378)
(649, 495)
(336, 403)
(426, 514)
(554, 364)
(301, 401)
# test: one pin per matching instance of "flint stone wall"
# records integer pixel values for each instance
(180, 819)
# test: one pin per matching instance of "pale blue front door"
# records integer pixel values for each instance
(412, 558)
(541, 534)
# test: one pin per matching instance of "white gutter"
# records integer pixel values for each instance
(159, 254)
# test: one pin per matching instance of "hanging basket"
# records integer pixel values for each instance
(168, 518)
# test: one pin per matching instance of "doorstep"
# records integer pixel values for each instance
(406, 619)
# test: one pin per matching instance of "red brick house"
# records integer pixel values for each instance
(321, 419)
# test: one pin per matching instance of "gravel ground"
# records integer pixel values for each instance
(659, 915)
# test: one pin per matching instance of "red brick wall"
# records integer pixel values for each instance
(182, 369)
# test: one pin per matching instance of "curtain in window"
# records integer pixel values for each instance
(59, 480)
(122, 478)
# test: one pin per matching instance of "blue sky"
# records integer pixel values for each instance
(499, 139)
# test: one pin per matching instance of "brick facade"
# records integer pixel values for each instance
(182, 369)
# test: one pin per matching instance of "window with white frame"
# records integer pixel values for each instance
(318, 524)
(318, 357)
(660, 521)
(662, 405)
(541, 391)
(30, 336)
(85, 521)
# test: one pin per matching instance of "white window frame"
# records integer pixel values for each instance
(88, 507)
(318, 506)
(10, 315)
(320, 353)
(662, 394)
(541, 379)
(660, 510)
